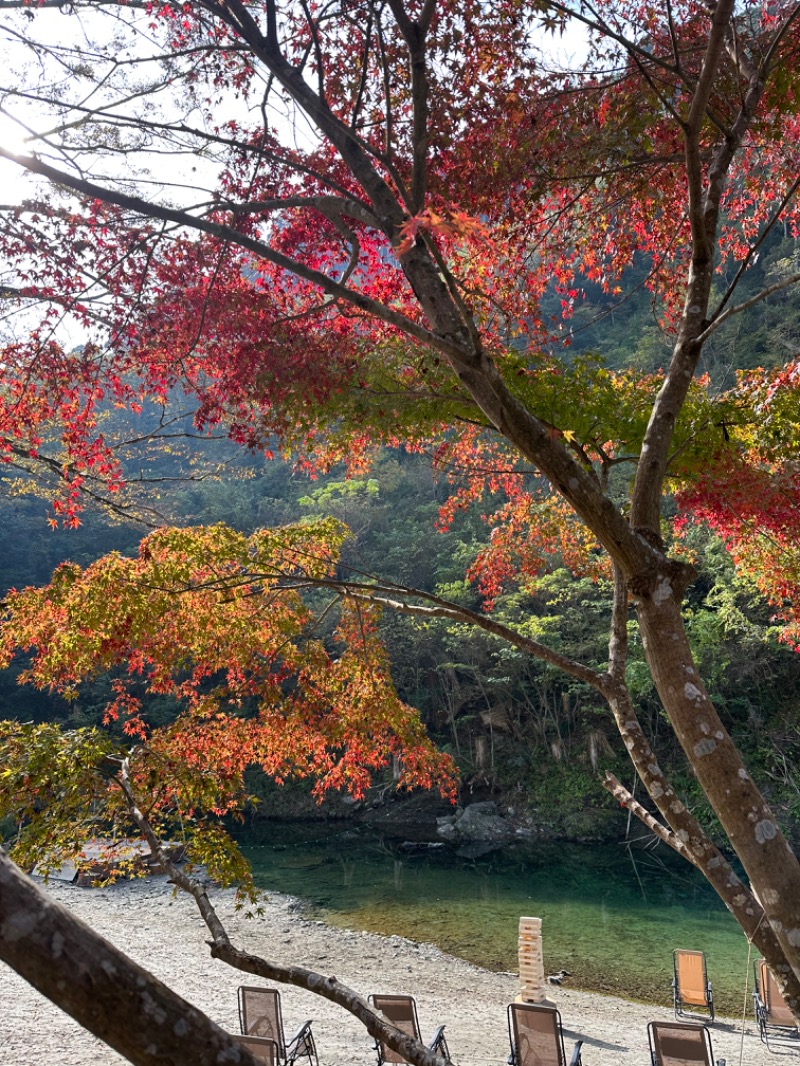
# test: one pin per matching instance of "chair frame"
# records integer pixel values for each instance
(692, 1027)
(763, 1007)
(437, 1044)
(677, 998)
(301, 1045)
(558, 1032)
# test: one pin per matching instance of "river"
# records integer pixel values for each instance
(611, 915)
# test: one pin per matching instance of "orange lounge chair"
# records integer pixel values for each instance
(680, 1044)
(260, 1016)
(401, 1011)
(537, 1038)
(772, 1014)
(690, 985)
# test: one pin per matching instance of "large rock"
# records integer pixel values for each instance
(478, 822)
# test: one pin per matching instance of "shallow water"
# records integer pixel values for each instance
(611, 916)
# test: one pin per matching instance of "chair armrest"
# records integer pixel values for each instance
(301, 1034)
(438, 1044)
(302, 1043)
(437, 1039)
(575, 1060)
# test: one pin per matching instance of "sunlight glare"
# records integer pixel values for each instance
(15, 183)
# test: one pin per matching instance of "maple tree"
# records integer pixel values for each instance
(217, 621)
(382, 196)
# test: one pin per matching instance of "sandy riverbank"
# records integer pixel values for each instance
(166, 935)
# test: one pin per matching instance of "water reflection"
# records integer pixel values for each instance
(348, 873)
(610, 917)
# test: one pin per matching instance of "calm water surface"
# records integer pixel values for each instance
(611, 917)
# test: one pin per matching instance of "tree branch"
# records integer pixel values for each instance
(748, 258)
(779, 286)
(100, 987)
(705, 197)
(182, 218)
(414, 34)
(221, 947)
(454, 613)
(627, 800)
(618, 637)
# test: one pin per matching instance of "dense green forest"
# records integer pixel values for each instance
(519, 730)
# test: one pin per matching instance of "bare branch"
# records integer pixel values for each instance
(454, 613)
(100, 987)
(779, 286)
(626, 799)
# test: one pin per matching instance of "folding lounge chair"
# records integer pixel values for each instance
(773, 1016)
(690, 984)
(260, 1015)
(680, 1044)
(401, 1011)
(261, 1048)
(537, 1038)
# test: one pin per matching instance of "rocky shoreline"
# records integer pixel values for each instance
(484, 816)
(165, 934)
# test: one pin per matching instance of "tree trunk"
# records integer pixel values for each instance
(769, 861)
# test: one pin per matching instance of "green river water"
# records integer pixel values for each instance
(611, 916)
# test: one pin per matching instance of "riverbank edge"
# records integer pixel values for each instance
(164, 932)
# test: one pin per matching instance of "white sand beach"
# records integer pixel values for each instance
(166, 935)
